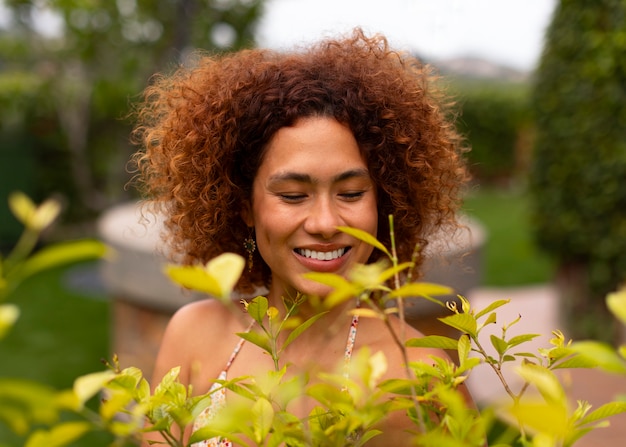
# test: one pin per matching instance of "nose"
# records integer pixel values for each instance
(323, 218)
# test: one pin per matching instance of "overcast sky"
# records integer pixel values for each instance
(505, 31)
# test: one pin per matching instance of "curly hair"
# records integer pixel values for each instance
(203, 131)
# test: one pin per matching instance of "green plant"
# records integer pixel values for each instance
(23, 402)
(348, 409)
(579, 102)
(496, 120)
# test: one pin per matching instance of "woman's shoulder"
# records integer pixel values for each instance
(199, 317)
(194, 328)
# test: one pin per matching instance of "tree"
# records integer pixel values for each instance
(580, 156)
(86, 73)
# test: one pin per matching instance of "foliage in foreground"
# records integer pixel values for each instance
(348, 409)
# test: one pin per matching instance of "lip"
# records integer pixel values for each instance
(318, 265)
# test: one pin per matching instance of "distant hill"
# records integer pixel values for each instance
(477, 68)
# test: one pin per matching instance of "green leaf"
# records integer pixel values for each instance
(60, 254)
(9, 313)
(365, 237)
(545, 418)
(491, 307)
(605, 411)
(499, 344)
(226, 269)
(22, 207)
(257, 309)
(194, 277)
(519, 339)
(263, 415)
(616, 302)
(393, 270)
(490, 320)
(576, 361)
(328, 279)
(603, 354)
(463, 322)
(60, 435)
(258, 339)
(421, 290)
(464, 348)
(546, 383)
(87, 386)
(300, 329)
(432, 341)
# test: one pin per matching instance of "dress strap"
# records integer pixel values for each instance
(350, 345)
(238, 347)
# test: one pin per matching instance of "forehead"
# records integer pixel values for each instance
(317, 144)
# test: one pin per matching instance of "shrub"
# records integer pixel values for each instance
(497, 123)
(579, 166)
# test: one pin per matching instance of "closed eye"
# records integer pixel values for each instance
(292, 198)
(352, 195)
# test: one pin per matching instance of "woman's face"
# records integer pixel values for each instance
(312, 179)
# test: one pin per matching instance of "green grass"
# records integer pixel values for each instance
(60, 335)
(511, 256)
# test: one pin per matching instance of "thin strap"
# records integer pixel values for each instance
(350, 346)
(233, 355)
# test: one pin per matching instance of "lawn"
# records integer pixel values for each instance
(511, 256)
(63, 331)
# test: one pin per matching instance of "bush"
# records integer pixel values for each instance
(497, 123)
(580, 159)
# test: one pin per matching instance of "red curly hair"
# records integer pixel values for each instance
(204, 130)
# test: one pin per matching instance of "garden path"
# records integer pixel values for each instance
(538, 306)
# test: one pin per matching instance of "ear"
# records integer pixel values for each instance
(247, 214)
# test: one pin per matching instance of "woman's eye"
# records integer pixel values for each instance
(352, 195)
(292, 197)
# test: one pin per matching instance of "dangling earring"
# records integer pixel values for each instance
(250, 245)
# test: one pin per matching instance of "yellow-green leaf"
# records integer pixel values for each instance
(60, 435)
(603, 354)
(491, 307)
(367, 313)
(464, 348)
(301, 328)
(432, 341)
(263, 415)
(260, 340)
(605, 411)
(22, 207)
(194, 277)
(463, 322)
(365, 237)
(546, 383)
(226, 269)
(89, 385)
(550, 419)
(9, 313)
(616, 302)
(60, 254)
(257, 309)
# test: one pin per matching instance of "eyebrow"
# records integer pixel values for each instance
(306, 178)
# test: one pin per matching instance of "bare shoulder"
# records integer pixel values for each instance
(192, 329)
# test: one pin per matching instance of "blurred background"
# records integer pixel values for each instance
(541, 89)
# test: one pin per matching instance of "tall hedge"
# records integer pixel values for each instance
(496, 120)
(578, 179)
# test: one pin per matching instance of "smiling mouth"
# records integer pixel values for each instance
(322, 255)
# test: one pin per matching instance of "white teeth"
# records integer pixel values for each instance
(322, 255)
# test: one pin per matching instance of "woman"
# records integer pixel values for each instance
(265, 154)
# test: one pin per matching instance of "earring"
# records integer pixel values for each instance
(250, 245)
